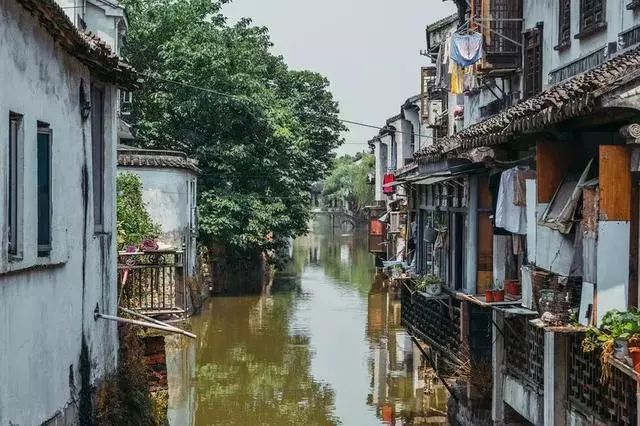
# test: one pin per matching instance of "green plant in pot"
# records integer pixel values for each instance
(397, 271)
(621, 326)
(430, 284)
(618, 337)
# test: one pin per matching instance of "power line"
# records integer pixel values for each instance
(242, 98)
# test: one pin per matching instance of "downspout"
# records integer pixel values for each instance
(472, 237)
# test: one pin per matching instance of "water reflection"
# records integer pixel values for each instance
(323, 346)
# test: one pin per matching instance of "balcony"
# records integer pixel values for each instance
(501, 27)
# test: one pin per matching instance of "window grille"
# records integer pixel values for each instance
(564, 24)
(532, 62)
(592, 16)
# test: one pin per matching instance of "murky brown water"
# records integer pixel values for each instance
(324, 347)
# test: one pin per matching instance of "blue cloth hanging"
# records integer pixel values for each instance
(466, 49)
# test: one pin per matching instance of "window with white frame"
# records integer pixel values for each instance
(14, 183)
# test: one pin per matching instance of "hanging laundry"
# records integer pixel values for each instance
(509, 216)
(470, 79)
(466, 49)
(457, 79)
(520, 193)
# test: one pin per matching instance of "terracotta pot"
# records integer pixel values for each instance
(635, 358)
(512, 287)
(498, 295)
(488, 296)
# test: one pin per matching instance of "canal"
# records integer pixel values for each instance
(323, 346)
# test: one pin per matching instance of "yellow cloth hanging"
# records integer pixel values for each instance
(457, 80)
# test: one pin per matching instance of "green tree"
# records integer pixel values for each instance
(261, 148)
(133, 221)
(347, 181)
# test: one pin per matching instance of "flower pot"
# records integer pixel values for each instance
(635, 358)
(498, 295)
(488, 296)
(621, 350)
(512, 287)
(430, 234)
(434, 289)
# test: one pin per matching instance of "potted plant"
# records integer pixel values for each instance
(498, 295)
(397, 270)
(618, 337)
(634, 352)
(433, 285)
(512, 287)
(488, 296)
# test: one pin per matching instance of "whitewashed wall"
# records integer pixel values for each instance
(618, 19)
(166, 194)
(47, 304)
(106, 19)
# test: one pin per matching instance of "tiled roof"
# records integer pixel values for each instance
(137, 157)
(572, 98)
(447, 20)
(86, 47)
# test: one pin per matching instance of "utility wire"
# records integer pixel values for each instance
(243, 98)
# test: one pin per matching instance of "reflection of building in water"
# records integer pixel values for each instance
(399, 390)
(181, 370)
(345, 254)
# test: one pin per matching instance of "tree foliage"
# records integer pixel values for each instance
(133, 221)
(348, 181)
(260, 149)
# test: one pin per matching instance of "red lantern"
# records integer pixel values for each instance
(387, 184)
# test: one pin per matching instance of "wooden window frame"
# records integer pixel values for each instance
(45, 247)
(589, 9)
(98, 153)
(564, 25)
(14, 185)
(532, 66)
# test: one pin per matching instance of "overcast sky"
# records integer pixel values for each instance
(368, 49)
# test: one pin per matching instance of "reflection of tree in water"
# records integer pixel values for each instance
(256, 372)
(330, 251)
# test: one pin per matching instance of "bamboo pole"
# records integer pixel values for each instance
(167, 329)
(148, 318)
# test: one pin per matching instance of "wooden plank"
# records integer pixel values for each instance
(615, 183)
(552, 164)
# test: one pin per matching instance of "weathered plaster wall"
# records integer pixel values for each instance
(166, 194)
(523, 400)
(617, 17)
(45, 311)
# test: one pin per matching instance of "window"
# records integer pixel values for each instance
(44, 188)
(532, 62)
(564, 25)
(592, 17)
(97, 155)
(14, 181)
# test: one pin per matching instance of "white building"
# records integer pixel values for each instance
(104, 18)
(57, 256)
(169, 189)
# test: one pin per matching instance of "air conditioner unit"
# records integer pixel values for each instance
(394, 222)
(435, 111)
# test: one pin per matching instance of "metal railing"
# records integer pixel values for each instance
(152, 283)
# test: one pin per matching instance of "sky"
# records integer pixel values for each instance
(368, 49)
